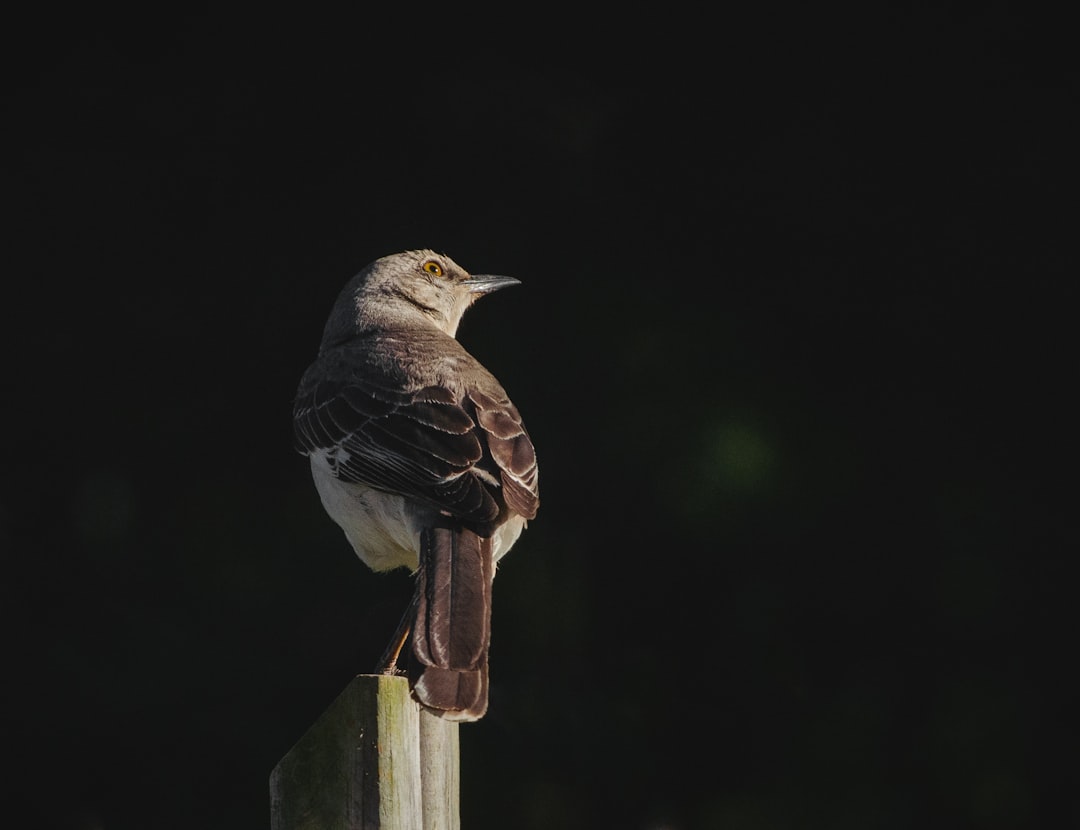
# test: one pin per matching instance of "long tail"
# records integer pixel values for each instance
(448, 665)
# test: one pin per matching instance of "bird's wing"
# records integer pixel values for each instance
(508, 445)
(455, 450)
(418, 443)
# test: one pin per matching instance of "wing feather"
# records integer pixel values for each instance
(466, 454)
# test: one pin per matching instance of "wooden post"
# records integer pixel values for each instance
(439, 771)
(372, 761)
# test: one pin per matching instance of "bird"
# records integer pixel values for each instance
(419, 455)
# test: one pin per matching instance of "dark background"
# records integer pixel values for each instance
(787, 343)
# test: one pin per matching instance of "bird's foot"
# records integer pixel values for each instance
(388, 663)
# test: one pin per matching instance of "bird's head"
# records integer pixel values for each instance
(410, 288)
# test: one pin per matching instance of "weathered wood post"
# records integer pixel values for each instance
(439, 772)
(372, 761)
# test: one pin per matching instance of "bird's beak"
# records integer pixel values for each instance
(486, 283)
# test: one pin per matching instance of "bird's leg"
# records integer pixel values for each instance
(388, 661)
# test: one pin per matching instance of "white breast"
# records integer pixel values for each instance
(380, 528)
(375, 523)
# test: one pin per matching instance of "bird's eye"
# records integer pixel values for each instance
(433, 268)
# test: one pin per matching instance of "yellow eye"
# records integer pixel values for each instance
(433, 268)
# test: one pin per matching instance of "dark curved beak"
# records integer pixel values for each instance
(486, 283)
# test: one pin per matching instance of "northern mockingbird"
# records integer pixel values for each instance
(421, 458)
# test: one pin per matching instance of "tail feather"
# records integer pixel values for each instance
(451, 633)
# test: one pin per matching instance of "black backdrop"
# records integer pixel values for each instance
(784, 342)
